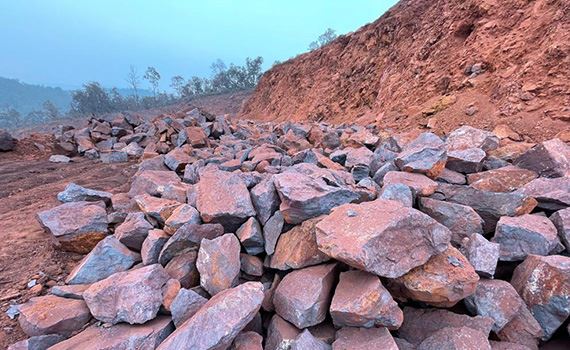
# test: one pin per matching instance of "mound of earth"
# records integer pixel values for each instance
(436, 63)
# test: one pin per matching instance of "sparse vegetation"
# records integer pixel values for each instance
(323, 39)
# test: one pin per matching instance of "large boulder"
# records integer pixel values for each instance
(505, 179)
(152, 182)
(549, 159)
(265, 199)
(223, 316)
(467, 137)
(133, 231)
(187, 238)
(303, 296)
(250, 235)
(453, 338)
(219, 263)
(76, 193)
(551, 194)
(108, 257)
(426, 155)
(482, 254)
(132, 296)
(77, 226)
(419, 183)
(372, 236)
(223, 198)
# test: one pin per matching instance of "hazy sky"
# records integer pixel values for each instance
(69, 42)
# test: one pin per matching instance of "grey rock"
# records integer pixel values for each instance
(152, 246)
(561, 219)
(250, 235)
(76, 193)
(182, 215)
(482, 254)
(114, 157)
(187, 238)
(364, 338)
(549, 159)
(133, 231)
(426, 155)
(40, 342)
(398, 192)
(306, 341)
(265, 199)
(185, 305)
(59, 158)
(272, 230)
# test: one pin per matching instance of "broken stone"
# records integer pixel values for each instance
(452, 177)
(180, 216)
(58, 158)
(351, 338)
(303, 296)
(223, 198)
(183, 268)
(272, 230)
(74, 291)
(280, 334)
(443, 281)
(53, 315)
(219, 263)
(469, 137)
(76, 193)
(152, 246)
(549, 159)
(524, 235)
(421, 184)
(453, 338)
(224, 316)
(399, 193)
(152, 181)
(78, 226)
(360, 300)
(372, 236)
(133, 231)
(561, 219)
(543, 282)
(108, 257)
(157, 208)
(505, 179)
(466, 161)
(251, 237)
(251, 265)
(114, 157)
(382, 171)
(40, 342)
(482, 254)
(461, 220)
(132, 296)
(187, 238)
(551, 194)
(177, 159)
(248, 341)
(306, 341)
(265, 200)
(523, 329)
(357, 156)
(269, 291)
(120, 336)
(426, 155)
(297, 248)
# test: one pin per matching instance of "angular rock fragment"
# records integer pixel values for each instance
(108, 257)
(461, 220)
(306, 341)
(248, 341)
(466, 161)
(224, 316)
(73, 291)
(551, 194)
(250, 235)
(372, 236)
(187, 238)
(76, 193)
(469, 137)
(182, 215)
(398, 192)
(297, 248)
(114, 157)
(280, 334)
(158, 209)
(505, 179)
(185, 305)
(133, 231)
(351, 338)
(152, 246)
(523, 329)
(303, 296)
(561, 219)
(426, 155)
(219, 263)
(120, 336)
(39, 342)
(543, 282)
(77, 226)
(453, 338)
(177, 159)
(524, 235)
(151, 182)
(133, 296)
(360, 300)
(251, 265)
(265, 199)
(272, 230)
(53, 315)
(357, 156)
(223, 198)
(482, 254)
(549, 159)
(421, 184)
(452, 177)
(183, 268)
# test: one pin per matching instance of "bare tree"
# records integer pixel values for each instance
(134, 80)
(153, 77)
(177, 83)
(325, 38)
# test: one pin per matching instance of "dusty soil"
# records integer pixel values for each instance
(29, 183)
(396, 71)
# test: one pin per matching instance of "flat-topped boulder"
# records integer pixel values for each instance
(549, 159)
(76, 193)
(426, 155)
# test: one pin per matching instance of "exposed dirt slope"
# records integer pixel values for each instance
(396, 70)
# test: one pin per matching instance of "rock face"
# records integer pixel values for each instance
(108, 257)
(53, 315)
(120, 336)
(187, 238)
(482, 254)
(77, 226)
(223, 198)
(219, 263)
(443, 281)
(524, 235)
(303, 296)
(371, 236)
(39, 342)
(280, 334)
(360, 300)
(224, 316)
(351, 338)
(543, 282)
(549, 159)
(133, 296)
(185, 305)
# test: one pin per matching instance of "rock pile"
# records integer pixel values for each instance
(7, 142)
(244, 235)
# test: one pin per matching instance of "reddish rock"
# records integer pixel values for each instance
(177, 159)
(351, 338)
(251, 265)
(372, 236)
(182, 215)
(250, 235)
(219, 263)
(443, 281)
(496, 299)
(133, 296)
(306, 341)
(169, 292)
(360, 300)
(187, 238)
(152, 246)
(357, 156)
(461, 220)
(158, 209)
(133, 231)
(53, 315)
(74, 291)
(248, 341)
(152, 181)
(398, 192)
(452, 177)
(303, 296)
(549, 159)
(77, 226)
(467, 161)
(269, 291)
(524, 235)
(543, 282)
(482, 254)
(426, 155)
(452, 338)
(185, 305)
(297, 248)
(183, 268)
(120, 336)
(511, 151)
(420, 324)
(224, 316)
(467, 137)
(280, 334)
(505, 179)
(108, 256)
(561, 219)
(504, 345)
(551, 194)
(223, 198)
(523, 329)
(421, 184)
(39, 342)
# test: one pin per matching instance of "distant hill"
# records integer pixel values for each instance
(26, 98)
